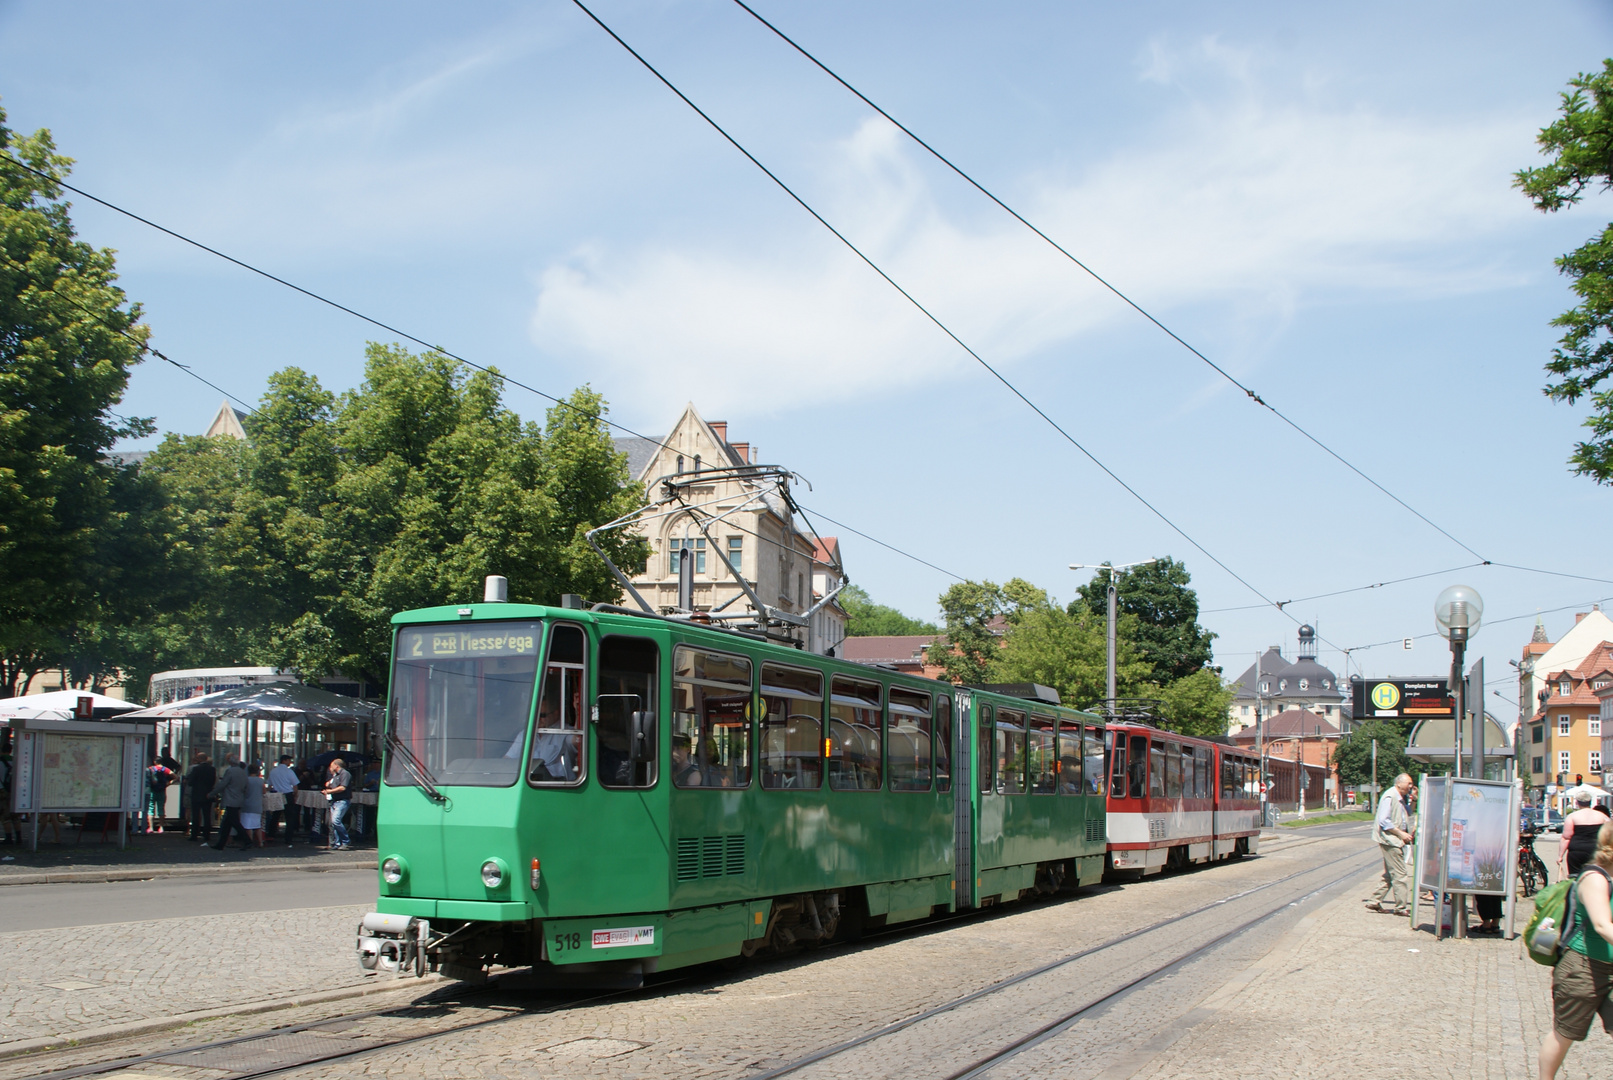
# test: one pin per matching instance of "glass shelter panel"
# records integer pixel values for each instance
(462, 699)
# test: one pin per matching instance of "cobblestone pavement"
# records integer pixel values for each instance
(63, 982)
(760, 1016)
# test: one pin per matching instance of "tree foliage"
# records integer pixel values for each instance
(1579, 145)
(1353, 754)
(864, 618)
(70, 517)
(1167, 632)
(1017, 633)
(405, 492)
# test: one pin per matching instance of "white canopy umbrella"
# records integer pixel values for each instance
(1588, 791)
(270, 700)
(64, 702)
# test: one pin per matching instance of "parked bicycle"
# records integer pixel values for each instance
(1532, 875)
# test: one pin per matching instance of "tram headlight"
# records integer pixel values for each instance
(493, 873)
(394, 870)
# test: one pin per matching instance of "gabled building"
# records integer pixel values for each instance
(1303, 684)
(1565, 736)
(750, 532)
(1542, 657)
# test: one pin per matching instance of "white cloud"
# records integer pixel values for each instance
(1250, 200)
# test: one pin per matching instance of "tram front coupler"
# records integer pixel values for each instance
(393, 943)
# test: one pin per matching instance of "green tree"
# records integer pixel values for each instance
(1167, 632)
(1067, 649)
(864, 618)
(1580, 147)
(968, 648)
(1196, 704)
(403, 493)
(68, 338)
(1353, 754)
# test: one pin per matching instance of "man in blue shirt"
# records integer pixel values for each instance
(283, 781)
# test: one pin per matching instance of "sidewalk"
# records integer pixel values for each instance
(1353, 993)
(166, 854)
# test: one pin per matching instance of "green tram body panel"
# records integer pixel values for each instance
(686, 875)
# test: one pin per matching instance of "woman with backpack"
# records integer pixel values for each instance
(1583, 975)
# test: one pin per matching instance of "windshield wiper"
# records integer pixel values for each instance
(413, 766)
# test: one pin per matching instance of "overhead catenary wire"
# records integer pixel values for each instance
(922, 309)
(1345, 592)
(1134, 305)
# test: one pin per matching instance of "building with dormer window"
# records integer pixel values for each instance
(1302, 684)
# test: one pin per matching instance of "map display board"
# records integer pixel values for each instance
(81, 772)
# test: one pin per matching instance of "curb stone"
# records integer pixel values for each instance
(62, 877)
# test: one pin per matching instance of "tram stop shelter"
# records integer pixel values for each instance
(1434, 740)
(265, 721)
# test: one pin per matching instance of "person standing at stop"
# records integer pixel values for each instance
(1579, 835)
(1392, 829)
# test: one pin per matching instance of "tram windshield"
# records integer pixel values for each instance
(462, 699)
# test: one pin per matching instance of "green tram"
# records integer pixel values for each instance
(602, 794)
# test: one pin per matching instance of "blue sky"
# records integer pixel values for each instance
(1318, 200)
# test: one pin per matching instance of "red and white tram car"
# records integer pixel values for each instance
(1175, 800)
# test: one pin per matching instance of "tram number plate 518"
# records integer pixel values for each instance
(562, 942)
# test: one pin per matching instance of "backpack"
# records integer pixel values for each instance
(1556, 907)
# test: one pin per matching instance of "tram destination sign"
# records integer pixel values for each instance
(1419, 698)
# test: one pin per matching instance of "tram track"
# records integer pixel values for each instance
(980, 1066)
(302, 1045)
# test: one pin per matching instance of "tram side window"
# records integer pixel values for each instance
(1069, 758)
(1229, 777)
(983, 749)
(1201, 773)
(1117, 764)
(557, 746)
(1139, 766)
(1156, 770)
(1010, 752)
(792, 728)
(711, 694)
(908, 739)
(1092, 751)
(1173, 771)
(854, 745)
(943, 743)
(1040, 751)
(628, 677)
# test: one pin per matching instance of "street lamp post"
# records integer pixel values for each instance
(1457, 611)
(1109, 682)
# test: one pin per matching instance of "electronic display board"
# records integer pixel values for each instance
(1418, 698)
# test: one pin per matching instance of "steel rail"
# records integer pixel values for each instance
(1025, 976)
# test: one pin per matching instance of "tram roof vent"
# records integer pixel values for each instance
(496, 590)
(571, 600)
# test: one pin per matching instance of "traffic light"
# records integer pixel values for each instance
(1579, 778)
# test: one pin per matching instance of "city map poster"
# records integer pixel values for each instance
(1430, 831)
(81, 772)
(1481, 831)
